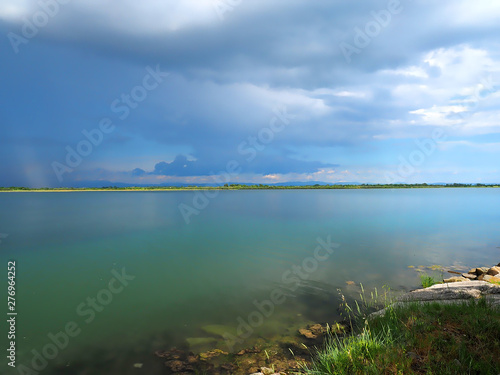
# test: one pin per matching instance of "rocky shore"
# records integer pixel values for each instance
(489, 274)
(287, 353)
(279, 355)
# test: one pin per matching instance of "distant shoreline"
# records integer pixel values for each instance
(233, 187)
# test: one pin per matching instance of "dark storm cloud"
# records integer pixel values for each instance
(229, 75)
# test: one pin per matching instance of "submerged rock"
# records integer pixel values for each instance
(191, 359)
(250, 350)
(219, 330)
(173, 353)
(307, 334)
(211, 354)
(315, 331)
(200, 341)
(179, 366)
(229, 367)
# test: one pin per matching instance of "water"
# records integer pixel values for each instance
(210, 272)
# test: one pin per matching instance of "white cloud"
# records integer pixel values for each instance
(127, 16)
(479, 13)
(15, 10)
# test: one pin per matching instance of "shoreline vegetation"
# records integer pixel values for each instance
(443, 329)
(250, 187)
(455, 331)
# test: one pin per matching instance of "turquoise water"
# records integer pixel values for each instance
(239, 249)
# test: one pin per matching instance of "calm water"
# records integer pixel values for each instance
(238, 250)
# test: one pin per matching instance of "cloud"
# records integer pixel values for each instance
(435, 64)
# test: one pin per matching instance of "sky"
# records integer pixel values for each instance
(100, 92)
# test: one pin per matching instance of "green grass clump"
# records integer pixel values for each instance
(427, 281)
(418, 339)
(352, 355)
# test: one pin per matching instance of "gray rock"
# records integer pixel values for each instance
(463, 290)
(450, 293)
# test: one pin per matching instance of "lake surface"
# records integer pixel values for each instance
(217, 269)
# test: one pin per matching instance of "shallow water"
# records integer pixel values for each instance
(217, 269)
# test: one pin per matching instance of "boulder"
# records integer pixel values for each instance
(493, 271)
(450, 294)
(482, 270)
(473, 271)
(464, 290)
(491, 279)
(486, 277)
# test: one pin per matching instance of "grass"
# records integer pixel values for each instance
(427, 280)
(418, 339)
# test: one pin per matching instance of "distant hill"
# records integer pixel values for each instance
(100, 184)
